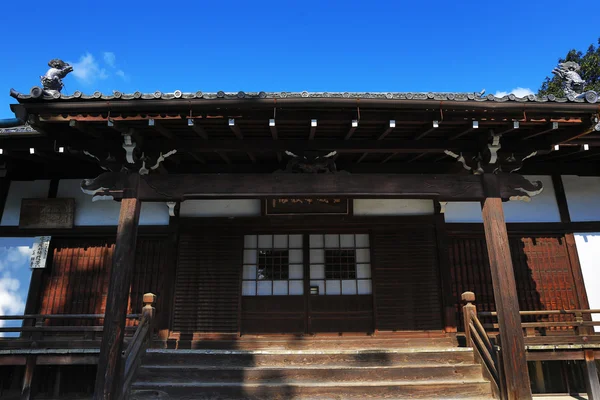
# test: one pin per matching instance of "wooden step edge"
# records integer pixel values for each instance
(301, 384)
(310, 351)
(308, 367)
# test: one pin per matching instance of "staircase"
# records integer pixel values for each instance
(365, 368)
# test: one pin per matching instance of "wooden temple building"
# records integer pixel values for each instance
(303, 245)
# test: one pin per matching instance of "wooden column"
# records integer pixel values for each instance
(591, 376)
(109, 362)
(505, 293)
(448, 300)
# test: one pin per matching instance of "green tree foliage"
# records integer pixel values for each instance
(590, 71)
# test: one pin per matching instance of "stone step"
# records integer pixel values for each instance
(276, 358)
(323, 343)
(455, 389)
(329, 373)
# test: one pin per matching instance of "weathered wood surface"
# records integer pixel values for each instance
(47, 213)
(28, 378)
(179, 187)
(505, 294)
(116, 307)
(592, 381)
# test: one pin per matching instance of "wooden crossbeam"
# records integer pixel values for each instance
(388, 158)
(235, 129)
(552, 126)
(197, 128)
(471, 128)
(84, 128)
(427, 130)
(160, 128)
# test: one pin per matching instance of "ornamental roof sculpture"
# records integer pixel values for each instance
(52, 85)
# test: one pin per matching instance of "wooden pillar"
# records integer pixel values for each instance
(592, 382)
(448, 300)
(109, 362)
(505, 293)
(28, 377)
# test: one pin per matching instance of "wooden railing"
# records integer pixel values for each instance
(35, 333)
(577, 333)
(132, 356)
(477, 338)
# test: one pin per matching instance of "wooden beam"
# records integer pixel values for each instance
(196, 157)
(592, 383)
(109, 362)
(390, 129)
(505, 293)
(362, 157)
(313, 129)
(427, 129)
(28, 377)
(474, 125)
(352, 129)
(235, 129)
(552, 126)
(414, 158)
(84, 128)
(388, 158)
(514, 125)
(160, 128)
(274, 133)
(196, 127)
(224, 157)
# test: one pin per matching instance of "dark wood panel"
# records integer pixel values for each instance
(351, 313)
(207, 287)
(542, 267)
(407, 285)
(273, 314)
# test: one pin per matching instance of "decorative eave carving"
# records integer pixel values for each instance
(572, 84)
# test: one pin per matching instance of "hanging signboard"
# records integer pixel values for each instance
(40, 251)
(306, 205)
(47, 213)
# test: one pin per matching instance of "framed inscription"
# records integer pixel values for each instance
(39, 255)
(307, 205)
(47, 213)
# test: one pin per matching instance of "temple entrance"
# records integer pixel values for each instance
(307, 283)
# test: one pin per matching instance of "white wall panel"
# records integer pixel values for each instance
(583, 197)
(393, 207)
(541, 208)
(588, 249)
(220, 208)
(106, 212)
(22, 190)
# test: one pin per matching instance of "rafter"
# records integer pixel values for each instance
(471, 128)
(195, 125)
(552, 126)
(427, 129)
(389, 129)
(84, 128)
(313, 129)
(160, 128)
(352, 129)
(514, 125)
(388, 158)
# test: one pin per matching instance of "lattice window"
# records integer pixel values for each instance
(273, 265)
(340, 264)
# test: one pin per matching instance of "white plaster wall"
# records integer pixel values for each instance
(541, 208)
(583, 197)
(22, 190)
(220, 208)
(106, 212)
(393, 207)
(588, 249)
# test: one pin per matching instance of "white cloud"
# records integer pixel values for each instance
(518, 91)
(120, 73)
(14, 257)
(87, 70)
(11, 302)
(110, 58)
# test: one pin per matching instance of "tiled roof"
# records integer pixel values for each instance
(589, 97)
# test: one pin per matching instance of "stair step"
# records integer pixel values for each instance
(328, 343)
(435, 389)
(275, 358)
(166, 374)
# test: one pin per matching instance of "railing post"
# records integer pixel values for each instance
(468, 309)
(149, 299)
(579, 329)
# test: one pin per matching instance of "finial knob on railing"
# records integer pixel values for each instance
(149, 299)
(468, 297)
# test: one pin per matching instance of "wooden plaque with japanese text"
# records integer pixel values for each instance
(306, 205)
(47, 213)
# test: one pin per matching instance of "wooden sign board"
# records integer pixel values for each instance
(306, 205)
(39, 255)
(47, 213)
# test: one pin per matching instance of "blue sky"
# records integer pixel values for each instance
(292, 45)
(15, 274)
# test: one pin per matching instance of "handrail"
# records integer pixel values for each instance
(477, 338)
(61, 316)
(132, 356)
(542, 312)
